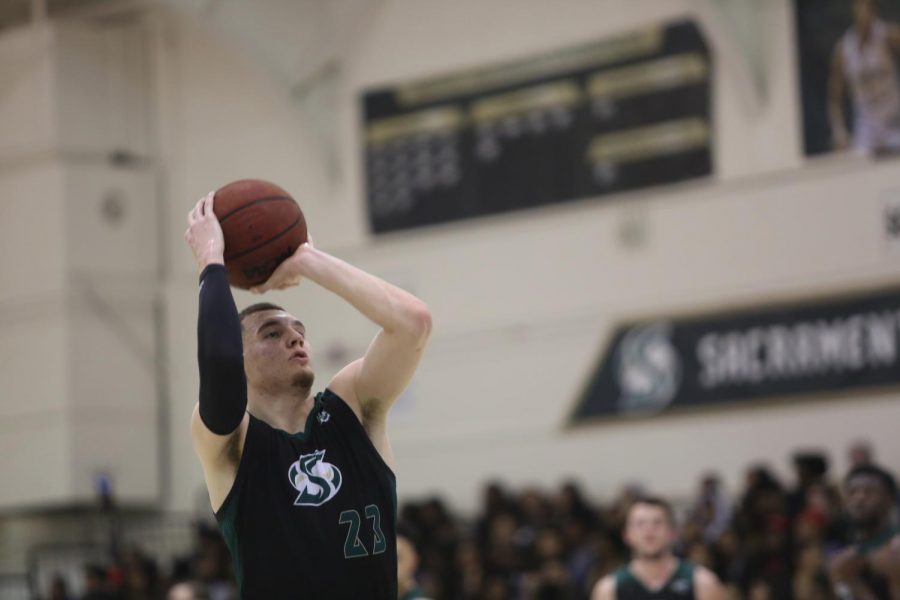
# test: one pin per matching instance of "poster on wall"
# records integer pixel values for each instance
(661, 365)
(619, 114)
(849, 61)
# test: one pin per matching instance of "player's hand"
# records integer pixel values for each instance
(204, 233)
(846, 566)
(288, 272)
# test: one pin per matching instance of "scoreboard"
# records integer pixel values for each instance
(619, 114)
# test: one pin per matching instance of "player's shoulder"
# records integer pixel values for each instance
(707, 583)
(605, 589)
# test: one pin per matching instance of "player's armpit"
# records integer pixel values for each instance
(217, 449)
(219, 455)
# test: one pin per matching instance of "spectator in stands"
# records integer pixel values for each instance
(407, 564)
(810, 581)
(870, 567)
(188, 591)
(811, 468)
(860, 453)
(59, 590)
(711, 508)
(96, 586)
(141, 576)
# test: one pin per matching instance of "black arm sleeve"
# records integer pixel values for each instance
(220, 354)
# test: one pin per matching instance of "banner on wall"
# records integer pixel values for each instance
(624, 113)
(738, 357)
(849, 56)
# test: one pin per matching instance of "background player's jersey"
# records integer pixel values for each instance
(313, 515)
(680, 585)
(872, 74)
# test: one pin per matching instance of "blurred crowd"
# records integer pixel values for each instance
(205, 574)
(772, 541)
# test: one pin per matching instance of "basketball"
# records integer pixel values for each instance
(262, 225)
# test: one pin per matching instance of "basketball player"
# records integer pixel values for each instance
(870, 568)
(865, 60)
(302, 485)
(654, 572)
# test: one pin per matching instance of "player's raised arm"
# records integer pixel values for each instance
(219, 416)
(372, 383)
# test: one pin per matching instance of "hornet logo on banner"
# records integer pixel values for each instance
(647, 368)
(316, 480)
(803, 348)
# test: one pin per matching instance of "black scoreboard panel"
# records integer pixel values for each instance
(625, 113)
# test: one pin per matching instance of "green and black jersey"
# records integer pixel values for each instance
(680, 585)
(312, 515)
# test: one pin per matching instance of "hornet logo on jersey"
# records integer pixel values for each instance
(316, 480)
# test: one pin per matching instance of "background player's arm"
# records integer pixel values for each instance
(371, 384)
(836, 87)
(219, 421)
(605, 589)
(707, 586)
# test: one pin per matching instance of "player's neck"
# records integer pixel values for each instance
(287, 412)
(655, 571)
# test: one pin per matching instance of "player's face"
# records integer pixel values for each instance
(276, 352)
(867, 500)
(648, 531)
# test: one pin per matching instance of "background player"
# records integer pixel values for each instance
(654, 571)
(870, 568)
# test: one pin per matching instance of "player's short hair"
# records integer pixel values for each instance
(255, 308)
(886, 479)
(656, 502)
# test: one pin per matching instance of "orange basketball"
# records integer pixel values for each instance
(262, 225)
